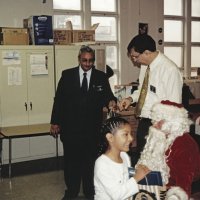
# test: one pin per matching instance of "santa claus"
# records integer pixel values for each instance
(171, 150)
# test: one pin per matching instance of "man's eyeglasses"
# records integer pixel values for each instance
(132, 56)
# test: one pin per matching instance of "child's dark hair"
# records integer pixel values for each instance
(109, 126)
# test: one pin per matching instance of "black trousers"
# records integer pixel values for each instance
(142, 132)
(79, 159)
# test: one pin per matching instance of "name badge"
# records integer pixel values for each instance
(152, 88)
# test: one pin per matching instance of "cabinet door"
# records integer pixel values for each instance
(13, 86)
(40, 84)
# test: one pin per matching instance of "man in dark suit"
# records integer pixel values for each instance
(77, 114)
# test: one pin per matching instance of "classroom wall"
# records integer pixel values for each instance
(12, 13)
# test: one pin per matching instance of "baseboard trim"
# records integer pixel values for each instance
(33, 166)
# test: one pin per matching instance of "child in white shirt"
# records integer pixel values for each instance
(111, 176)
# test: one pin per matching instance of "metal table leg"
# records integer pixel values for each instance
(57, 147)
(10, 157)
(0, 158)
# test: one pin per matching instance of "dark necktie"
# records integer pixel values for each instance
(143, 93)
(84, 86)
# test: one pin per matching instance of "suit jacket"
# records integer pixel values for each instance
(75, 112)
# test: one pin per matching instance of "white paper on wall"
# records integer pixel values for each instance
(39, 64)
(11, 57)
(14, 76)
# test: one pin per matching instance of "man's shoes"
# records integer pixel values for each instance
(68, 196)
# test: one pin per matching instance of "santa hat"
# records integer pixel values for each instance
(169, 111)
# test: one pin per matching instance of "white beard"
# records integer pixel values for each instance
(175, 129)
(153, 155)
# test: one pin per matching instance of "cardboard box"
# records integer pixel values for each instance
(83, 36)
(62, 36)
(41, 30)
(14, 36)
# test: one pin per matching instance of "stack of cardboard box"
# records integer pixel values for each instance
(69, 36)
(62, 36)
(38, 30)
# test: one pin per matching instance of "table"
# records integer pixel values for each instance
(1, 137)
(24, 131)
(194, 86)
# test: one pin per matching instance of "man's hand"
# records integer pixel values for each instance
(140, 172)
(124, 103)
(54, 130)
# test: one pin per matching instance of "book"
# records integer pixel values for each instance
(153, 178)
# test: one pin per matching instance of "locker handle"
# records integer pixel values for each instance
(25, 105)
(31, 106)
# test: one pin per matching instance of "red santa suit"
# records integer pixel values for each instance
(183, 160)
(171, 150)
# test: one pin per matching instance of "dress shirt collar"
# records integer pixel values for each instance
(155, 62)
(81, 74)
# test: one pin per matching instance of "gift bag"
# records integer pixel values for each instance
(151, 187)
(150, 192)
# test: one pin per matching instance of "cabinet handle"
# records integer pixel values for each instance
(31, 105)
(25, 105)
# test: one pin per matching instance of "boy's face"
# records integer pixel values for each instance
(122, 138)
(86, 61)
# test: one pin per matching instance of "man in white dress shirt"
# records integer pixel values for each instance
(165, 83)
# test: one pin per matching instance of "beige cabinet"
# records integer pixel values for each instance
(26, 84)
(26, 97)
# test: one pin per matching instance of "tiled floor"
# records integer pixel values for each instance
(40, 186)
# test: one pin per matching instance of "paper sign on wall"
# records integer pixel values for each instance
(14, 76)
(39, 64)
(11, 57)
